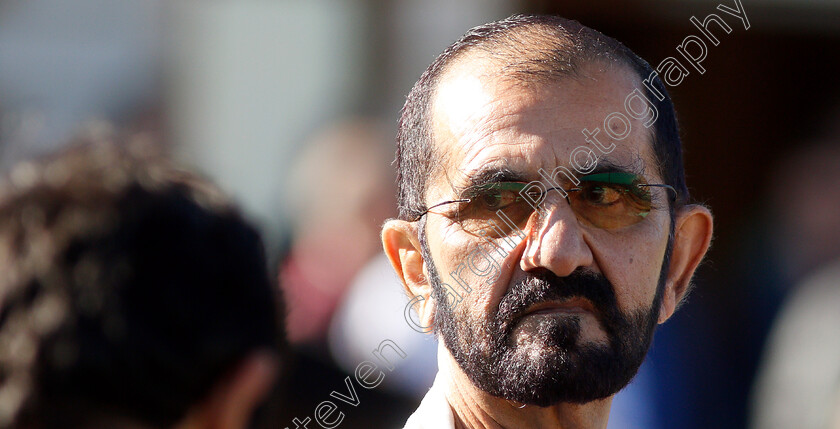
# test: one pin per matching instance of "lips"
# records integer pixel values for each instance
(570, 305)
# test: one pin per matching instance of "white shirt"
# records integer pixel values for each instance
(434, 411)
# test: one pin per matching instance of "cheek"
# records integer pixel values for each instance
(632, 262)
(476, 270)
(641, 278)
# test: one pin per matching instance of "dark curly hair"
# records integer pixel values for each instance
(128, 287)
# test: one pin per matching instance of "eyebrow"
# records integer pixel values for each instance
(606, 165)
(491, 173)
(487, 175)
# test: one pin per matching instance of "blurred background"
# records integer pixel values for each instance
(292, 107)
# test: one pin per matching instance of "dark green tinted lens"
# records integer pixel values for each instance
(610, 200)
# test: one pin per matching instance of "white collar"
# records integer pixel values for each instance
(434, 411)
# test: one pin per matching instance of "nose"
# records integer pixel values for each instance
(556, 241)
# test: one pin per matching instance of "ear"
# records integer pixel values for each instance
(233, 400)
(692, 236)
(402, 246)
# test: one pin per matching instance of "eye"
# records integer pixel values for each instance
(611, 200)
(602, 194)
(486, 200)
(494, 199)
(481, 214)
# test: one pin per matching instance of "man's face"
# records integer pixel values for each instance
(571, 314)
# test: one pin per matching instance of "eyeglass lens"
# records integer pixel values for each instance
(604, 200)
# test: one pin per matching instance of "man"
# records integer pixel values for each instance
(545, 225)
(132, 295)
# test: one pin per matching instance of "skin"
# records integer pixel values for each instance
(232, 401)
(480, 119)
(229, 404)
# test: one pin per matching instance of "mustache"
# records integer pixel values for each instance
(543, 286)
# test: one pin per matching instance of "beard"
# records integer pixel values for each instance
(548, 365)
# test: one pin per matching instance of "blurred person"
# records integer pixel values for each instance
(799, 380)
(349, 161)
(543, 288)
(341, 191)
(373, 310)
(132, 295)
(799, 376)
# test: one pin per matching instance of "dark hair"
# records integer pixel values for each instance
(129, 287)
(531, 49)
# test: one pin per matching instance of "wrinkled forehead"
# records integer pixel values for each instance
(485, 122)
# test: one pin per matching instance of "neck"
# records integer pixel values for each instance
(475, 409)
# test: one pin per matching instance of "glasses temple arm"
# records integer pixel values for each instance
(661, 185)
(438, 205)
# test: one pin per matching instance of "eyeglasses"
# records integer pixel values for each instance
(603, 200)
